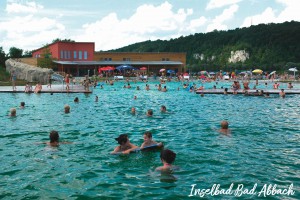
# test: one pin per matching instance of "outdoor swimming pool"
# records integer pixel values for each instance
(263, 147)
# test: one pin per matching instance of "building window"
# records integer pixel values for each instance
(75, 54)
(85, 55)
(163, 59)
(167, 59)
(109, 59)
(65, 54)
(69, 54)
(61, 54)
(80, 55)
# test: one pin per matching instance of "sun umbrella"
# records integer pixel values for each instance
(143, 68)
(212, 73)
(161, 70)
(293, 70)
(123, 67)
(273, 72)
(258, 71)
(170, 71)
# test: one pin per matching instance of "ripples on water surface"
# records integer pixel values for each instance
(263, 148)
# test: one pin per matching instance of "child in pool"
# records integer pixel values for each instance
(167, 157)
(125, 146)
(148, 140)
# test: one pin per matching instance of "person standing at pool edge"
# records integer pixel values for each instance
(13, 79)
(49, 81)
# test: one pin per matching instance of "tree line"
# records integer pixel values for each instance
(270, 47)
(15, 52)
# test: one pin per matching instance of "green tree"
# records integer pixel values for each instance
(2, 57)
(46, 58)
(27, 54)
(15, 52)
(62, 40)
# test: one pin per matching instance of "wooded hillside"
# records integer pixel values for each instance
(270, 47)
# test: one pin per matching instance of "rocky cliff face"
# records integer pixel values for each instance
(238, 56)
(28, 72)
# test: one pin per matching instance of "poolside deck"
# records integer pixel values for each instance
(53, 89)
(241, 91)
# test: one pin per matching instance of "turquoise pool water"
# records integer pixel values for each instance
(263, 147)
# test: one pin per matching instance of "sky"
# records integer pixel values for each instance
(112, 24)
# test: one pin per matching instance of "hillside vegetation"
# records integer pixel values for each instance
(269, 46)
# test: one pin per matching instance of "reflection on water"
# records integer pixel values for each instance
(262, 148)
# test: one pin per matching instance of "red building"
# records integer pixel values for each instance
(69, 51)
(80, 58)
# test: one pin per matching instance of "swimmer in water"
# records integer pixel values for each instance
(148, 140)
(125, 146)
(224, 128)
(167, 157)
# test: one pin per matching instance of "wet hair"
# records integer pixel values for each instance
(150, 112)
(148, 134)
(163, 107)
(22, 103)
(168, 156)
(76, 99)
(122, 139)
(54, 136)
(67, 108)
(224, 124)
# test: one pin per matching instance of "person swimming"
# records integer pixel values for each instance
(149, 113)
(125, 146)
(148, 140)
(54, 139)
(22, 105)
(224, 128)
(163, 109)
(133, 110)
(13, 112)
(67, 108)
(167, 157)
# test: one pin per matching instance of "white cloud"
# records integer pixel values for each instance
(269, 15)
(196, 23)
(217, 22)
(290, 12)
(29, 32)
(220, 3)
(28, 7)
(147, 22)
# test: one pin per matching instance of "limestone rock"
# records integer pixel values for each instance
(28, 72)
(238, 56)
